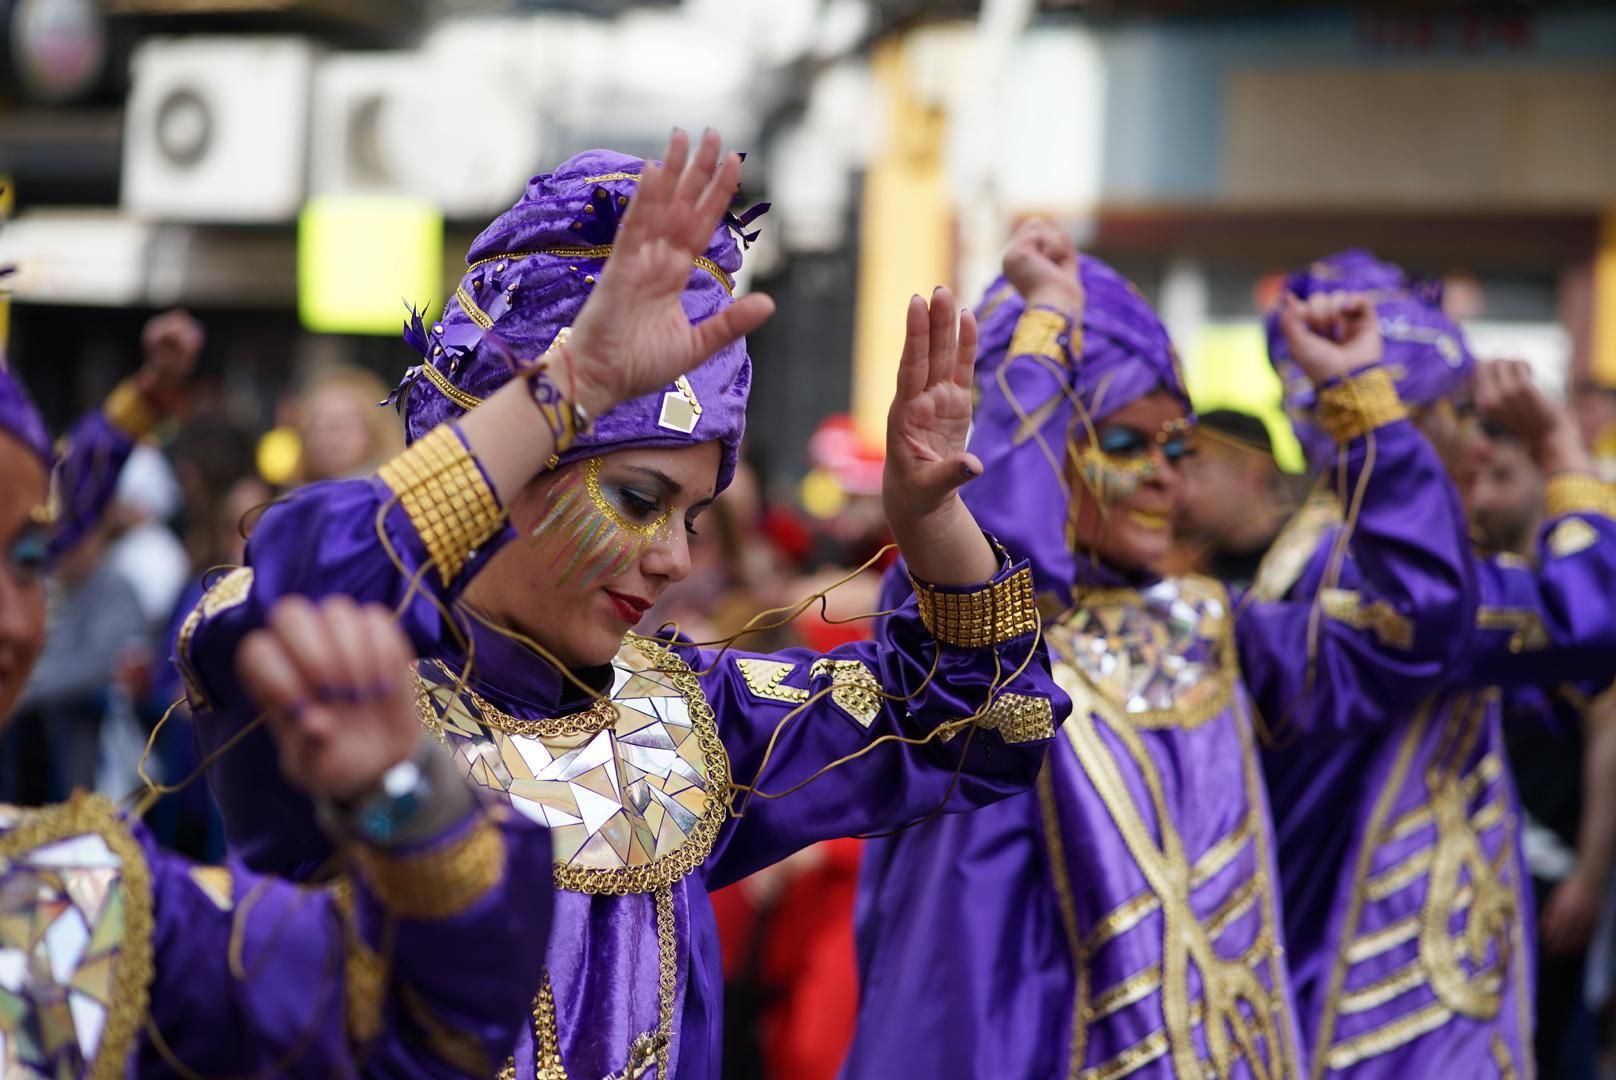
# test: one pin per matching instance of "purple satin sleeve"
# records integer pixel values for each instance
(1551, 623)
(1408, 575)
(321, 540)
(258, 981)
(892, 785)
(92, 455)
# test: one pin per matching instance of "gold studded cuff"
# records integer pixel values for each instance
(448, 500)
(1043, 331)
(128, 410)
(1578, 493)
(438, 883)
(1359, 404)
(979, 618)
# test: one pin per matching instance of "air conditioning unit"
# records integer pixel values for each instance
(216, 128)
(422, 124)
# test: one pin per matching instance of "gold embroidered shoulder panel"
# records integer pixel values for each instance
(1293, 548)
(633, 788)
(75, 941)
(1161, 656)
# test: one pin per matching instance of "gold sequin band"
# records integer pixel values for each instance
(436, 884)
(983, 617)
(128, 410)
(1359, 404)
(1578, 493)
(443, 491)
(448, 389)
(1039, 332)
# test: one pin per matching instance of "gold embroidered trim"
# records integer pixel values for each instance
(1388, 937)
(128, 410)
(1147, 1050)
(1038, 333)
(1358, 405)
(1487, 770)
(1236, 905)
(1578, 493)
(1019, 718)
(1383, 990)
(980, 618)
(1530, 635)
(546, 1040)
(364, 970)
(599, 251)
(766, 679)
(1293, 548)
(127, 1003)
(215, 883)
(667, 976)
(443, 491)
(1571, 536)
(224, 594)
(1135, 988)
(854, 688)
(604, 177)
(1386, 622)
(1077, 1049)
(1502, 1058)
(439, 883)
(1223, 852)
(1405, 1029)
(597, 718)
(448, 389)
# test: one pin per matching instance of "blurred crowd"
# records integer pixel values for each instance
(778, 565)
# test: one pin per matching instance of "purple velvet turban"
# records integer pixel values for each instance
(1126, 354)
(1423, 350)
(20, 420)
(527, 278)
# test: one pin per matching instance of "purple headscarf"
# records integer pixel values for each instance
(1126, 354)
(1423, 350)
(528, 276)
(20, 420)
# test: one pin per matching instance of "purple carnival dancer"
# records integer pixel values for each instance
(1125, 921)
(123, 960)
(1406, 900)
(565, 437)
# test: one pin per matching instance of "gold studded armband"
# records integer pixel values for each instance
(440, 882)
(1359, 404)
(1043, 331)
(979, 618)
(128, 410)
(446, 497)
(1578, 493)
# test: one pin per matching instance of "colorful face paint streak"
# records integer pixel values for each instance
(589, 539)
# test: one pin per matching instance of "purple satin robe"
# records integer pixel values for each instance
(1407, 902)
(88, 462)
(1087, 931)
(633, 977)
(132, 958)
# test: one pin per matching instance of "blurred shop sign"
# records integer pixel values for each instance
(217, 128)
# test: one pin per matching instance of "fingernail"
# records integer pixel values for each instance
(967, 470)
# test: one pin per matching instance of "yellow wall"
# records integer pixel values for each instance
(1602, 335)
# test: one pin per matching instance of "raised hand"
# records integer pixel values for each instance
(926, 456)
(170, 344)
(1041, 262)
(633, 335)
(332, 679)
(1330, 334)
(1508, 398)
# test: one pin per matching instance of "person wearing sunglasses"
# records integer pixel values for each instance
(1124, 919)
(1407, 901)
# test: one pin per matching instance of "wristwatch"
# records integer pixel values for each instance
(379, 816)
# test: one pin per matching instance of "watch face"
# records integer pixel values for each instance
(58, 47)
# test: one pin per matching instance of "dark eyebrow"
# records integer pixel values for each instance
(670, 486)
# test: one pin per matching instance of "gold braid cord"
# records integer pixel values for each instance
(1359, 404)
(1578, 493)
(981, 618)
(365, 972)
(439, 883)
(128, 410)
(443, 491)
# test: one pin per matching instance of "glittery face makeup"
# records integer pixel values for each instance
(1122, 460)
(594, 531)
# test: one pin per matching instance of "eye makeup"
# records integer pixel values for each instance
(27, 555)
(594, 531)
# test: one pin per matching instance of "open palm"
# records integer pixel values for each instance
(633, 335)
(931, 412)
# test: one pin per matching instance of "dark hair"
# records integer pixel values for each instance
(1241, 427)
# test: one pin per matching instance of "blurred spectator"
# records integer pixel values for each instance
(1594, 407)
(146, 552)
(1236, 498)
(1562, 751)
(341, 428)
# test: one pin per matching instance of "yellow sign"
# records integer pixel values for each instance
(362, 259)
(1227, 368)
